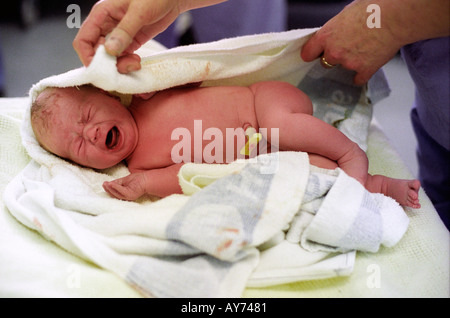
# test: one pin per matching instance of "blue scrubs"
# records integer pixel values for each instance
(2, 74)
(428, 64)
(232, 18)
(239, 17)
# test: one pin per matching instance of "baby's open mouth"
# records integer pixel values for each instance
(112, 138)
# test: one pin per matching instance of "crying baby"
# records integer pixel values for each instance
(91, 127)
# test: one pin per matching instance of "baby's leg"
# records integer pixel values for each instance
(284, 107)
(405, 192)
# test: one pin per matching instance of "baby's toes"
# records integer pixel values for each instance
(412, 195)
(413, 199)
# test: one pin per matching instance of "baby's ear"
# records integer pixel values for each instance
(145, 96)
(189, 85)
(124, 99)
(110, 94)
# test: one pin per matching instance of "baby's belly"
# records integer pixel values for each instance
(209, 144)
(221, 137)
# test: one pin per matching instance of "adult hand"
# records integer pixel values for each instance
(124, 25)
(128, 24)
(347, 40)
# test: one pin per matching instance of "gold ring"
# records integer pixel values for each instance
(325, 63)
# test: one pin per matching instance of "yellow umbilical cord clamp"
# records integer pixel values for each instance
(253, 140)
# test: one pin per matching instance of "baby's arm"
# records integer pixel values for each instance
(160, 182)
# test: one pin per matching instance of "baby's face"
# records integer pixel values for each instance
(88, 127)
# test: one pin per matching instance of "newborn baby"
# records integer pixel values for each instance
(92, 128)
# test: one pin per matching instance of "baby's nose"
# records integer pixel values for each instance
(92, 134)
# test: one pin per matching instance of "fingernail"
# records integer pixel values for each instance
(133, 67)
(113, 46)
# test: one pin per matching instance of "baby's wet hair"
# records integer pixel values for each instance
(41, 107)
(41, 110)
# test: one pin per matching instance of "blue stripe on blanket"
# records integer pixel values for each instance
(220, 219)
(366, 231)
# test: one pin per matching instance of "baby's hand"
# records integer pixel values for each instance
(129, 188)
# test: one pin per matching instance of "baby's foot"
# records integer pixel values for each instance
(405, 192)
(413, 194)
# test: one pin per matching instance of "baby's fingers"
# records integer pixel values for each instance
(117, 190)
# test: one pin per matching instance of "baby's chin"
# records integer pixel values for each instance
(114, 159)
(108, 160)
(102, 165)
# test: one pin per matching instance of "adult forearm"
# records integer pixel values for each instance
(186, 5)
(414, 20)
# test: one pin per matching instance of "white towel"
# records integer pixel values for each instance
(206, 244)
(338, 214)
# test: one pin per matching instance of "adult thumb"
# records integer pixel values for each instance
(122, 35)
(117, 41)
